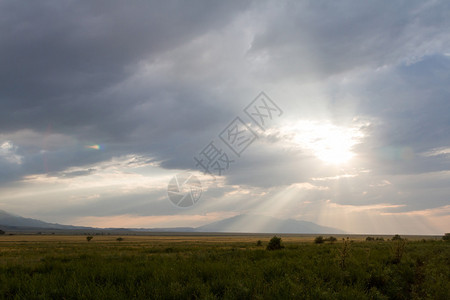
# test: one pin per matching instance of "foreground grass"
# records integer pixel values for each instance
(233, 268)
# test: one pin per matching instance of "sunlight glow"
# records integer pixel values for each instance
(330, 143)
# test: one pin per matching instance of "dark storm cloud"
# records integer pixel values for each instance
(63, 63)
(53, 49)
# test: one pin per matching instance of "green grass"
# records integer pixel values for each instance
(234, 269)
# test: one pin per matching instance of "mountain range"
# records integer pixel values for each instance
(249, 223)
(245, 223)
(11, 221)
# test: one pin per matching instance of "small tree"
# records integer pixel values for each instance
(259, 243)
(275, 244)
(119, 239)
(89, 238)
(446, 237)
(319, 240)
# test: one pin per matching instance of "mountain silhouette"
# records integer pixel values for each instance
(248, 223)
(245, 223)
(8, 220)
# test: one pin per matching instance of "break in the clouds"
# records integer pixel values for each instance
(103, 102)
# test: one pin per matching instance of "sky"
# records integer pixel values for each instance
(102, 103)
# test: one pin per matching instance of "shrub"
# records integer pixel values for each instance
(275, 244)
(398, 251)
(119, 239)
(397, 238)
(89, 238)
(2, 232)
(369, 238)
(259, 243)
(379, 239)
(344, 253)
(446, 237)
(330, 239)
(319, 240)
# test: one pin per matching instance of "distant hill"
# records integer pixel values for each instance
(11, 221)
(263, 224)
(245, 223)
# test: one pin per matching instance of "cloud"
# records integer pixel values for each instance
(437, 152)
(76, 70)
(103, 102)
(8, 153)
(313, 40)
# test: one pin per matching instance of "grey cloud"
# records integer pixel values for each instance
(162, 79)
(313, 40)
(73, 173)
(59, 57)
(411, 106)
(55, 48)
(64, 63)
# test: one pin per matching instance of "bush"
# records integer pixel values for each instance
(89, 238)
(319, 240)
(379, 239)
(2, 232)
(330, 239)
(275, 244)
(119, 239)
(369, 238)
(446, 237)
(397, 238)
(259, 243)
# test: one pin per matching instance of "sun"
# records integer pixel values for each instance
(330, 143)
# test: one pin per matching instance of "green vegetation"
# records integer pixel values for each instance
(398, 250)
(446, 237)
(58, 267)
(275, 244)
(397, 238)
(89, 238)
(319, 240)
(330, 239)
(344, 253)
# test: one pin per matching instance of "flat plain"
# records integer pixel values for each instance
(222, 266)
